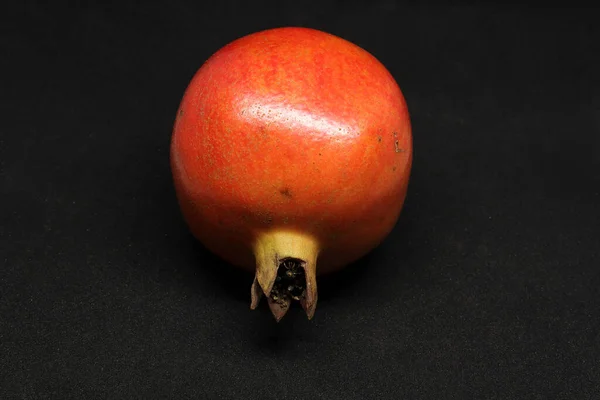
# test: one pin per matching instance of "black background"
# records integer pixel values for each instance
(488, 288)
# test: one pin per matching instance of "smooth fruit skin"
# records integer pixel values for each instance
(292, 129)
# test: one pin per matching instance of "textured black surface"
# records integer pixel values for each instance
(487, 287)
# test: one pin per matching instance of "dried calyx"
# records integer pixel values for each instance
(285, 272)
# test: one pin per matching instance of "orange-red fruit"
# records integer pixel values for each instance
(292, 130)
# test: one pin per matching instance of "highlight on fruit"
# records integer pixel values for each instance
(291, 154)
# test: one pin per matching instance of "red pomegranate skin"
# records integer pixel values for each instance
(292, 129)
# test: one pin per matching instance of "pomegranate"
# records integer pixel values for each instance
(291, 154)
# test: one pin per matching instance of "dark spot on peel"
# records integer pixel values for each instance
(396, 145)
(394, 168)
(379, 138)
(286, 192)
(268, 219)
